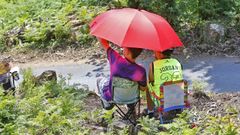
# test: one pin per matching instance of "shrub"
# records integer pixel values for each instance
(52, 108)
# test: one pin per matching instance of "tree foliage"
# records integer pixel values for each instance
(45, 23)
(192, 11)
(50, 24)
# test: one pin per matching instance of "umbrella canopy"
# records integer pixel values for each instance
(135, 28)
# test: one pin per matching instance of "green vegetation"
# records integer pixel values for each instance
(187, 15)
(53, 108)
(196, 10)
(58, 108)
(48, 24)
(199, 85)
(184, 125)
(45, 23)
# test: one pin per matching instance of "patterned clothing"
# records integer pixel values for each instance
(121, 67)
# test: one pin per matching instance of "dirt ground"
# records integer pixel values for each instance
(202, 104)
(230, 47)
(215, 104)
(70, 55)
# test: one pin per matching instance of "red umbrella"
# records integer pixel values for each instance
(135, 28)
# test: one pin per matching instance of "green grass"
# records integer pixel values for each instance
(53, 108)
(58, 108)
(183, 125)
(41, 24)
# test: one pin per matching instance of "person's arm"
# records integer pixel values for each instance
(150, 74)
(143, 81)
(104, 43)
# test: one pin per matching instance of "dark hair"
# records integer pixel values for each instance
(168, 52)
(135, 52)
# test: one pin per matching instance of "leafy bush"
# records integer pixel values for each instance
(45, 24)
(53, 108)
(188, 16)
(198, 85)
(58, 108)
(48, 24)
(184, 125)
(148, 126)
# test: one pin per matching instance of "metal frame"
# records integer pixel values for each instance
(127, 116)
(123, 114)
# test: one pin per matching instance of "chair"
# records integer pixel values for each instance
(8, 78)
(172, 96)
(126, 92)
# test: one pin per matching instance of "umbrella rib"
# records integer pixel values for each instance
(154, 27)
(128, 28)
(146, 15)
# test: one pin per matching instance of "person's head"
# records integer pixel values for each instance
(131, 53)
(164, 54)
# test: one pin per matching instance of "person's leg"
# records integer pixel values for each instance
(150, 104)
(149, 111)
(97, 91)
(102, 84)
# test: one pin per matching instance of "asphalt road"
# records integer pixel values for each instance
(221, 73)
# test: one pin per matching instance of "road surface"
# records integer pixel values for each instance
(221, 73)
